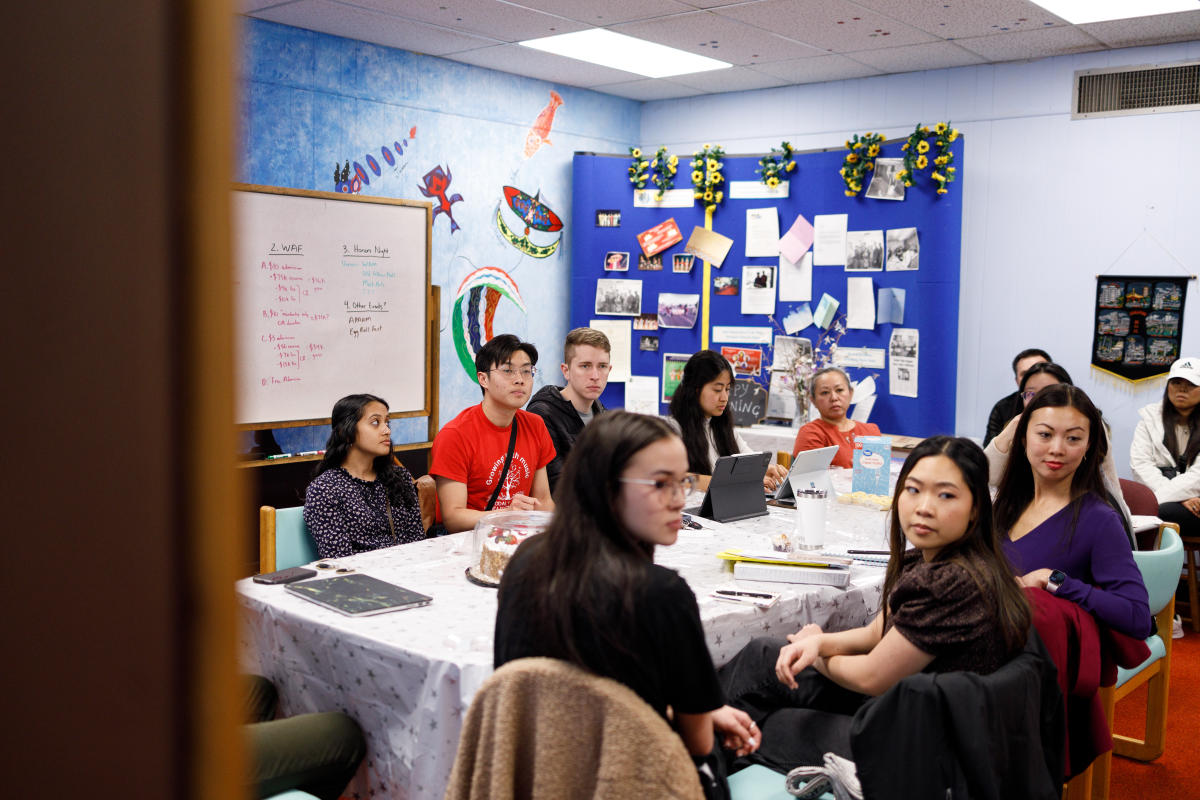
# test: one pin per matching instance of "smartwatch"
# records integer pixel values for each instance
(1055, 580)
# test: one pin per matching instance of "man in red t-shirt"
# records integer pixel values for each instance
(469, 452)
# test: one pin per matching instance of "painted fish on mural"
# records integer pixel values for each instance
(536, 215)
(349, 179)
(539, 134)
(488, 284)
(437, 181)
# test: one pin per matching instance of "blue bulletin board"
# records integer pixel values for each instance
(601, 185)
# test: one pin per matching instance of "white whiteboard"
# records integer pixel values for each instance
(330, 300)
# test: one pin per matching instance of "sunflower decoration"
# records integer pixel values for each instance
(637, 168)
(860, 160)
(706, 176)
(774, 167)
(915, 149)
(943, 169)
(663, 168)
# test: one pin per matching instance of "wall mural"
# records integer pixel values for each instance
(539, 134)
(535, 215)
(437, 181)
(488, 284)
(350, 180)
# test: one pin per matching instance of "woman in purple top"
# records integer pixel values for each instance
(1062, 530)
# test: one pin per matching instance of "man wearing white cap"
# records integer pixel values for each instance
(1166, 446)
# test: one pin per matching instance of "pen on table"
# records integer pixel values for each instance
(870, 552)
(279, 455)
(744, 594)
(311, 453)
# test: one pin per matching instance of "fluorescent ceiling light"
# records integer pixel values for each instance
(1081, 12)
(616, 50)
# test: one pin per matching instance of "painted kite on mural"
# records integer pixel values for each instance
(350, 180)
(489, 284)
(539, 134)
(535, 215)
(437, 181)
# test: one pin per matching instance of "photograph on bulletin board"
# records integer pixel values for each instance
(672, 373)
(1138, 325)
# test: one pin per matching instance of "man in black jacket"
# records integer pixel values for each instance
(1012, 405)
(586, 363)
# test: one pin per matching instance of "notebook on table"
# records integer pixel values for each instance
(358, 595)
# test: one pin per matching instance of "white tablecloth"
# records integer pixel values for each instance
(408, 677)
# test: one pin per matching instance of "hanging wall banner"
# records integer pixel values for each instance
(1138, 324)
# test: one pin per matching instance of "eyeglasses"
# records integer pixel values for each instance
(510, 373)
(334, 567)
(1027, 395)
(666, 487)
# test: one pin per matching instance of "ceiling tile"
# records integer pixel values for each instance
(717, 37)
(604, 12)
(648, 89)
(836, 26)
(504, 21)
(518, 60)
(370, 26)
(821, 68)
(1031, 44)
(914, 57)
(954, 19)
(1147, 30)
(735, 79)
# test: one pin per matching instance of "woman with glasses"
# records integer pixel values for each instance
(588, 591)
(700, 411)
(1036, 378)
(1165, 454)
(360, 499)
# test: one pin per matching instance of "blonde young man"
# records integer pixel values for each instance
(586, 364)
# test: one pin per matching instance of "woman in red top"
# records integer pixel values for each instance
(831, 393)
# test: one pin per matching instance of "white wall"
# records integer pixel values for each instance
(1049, 203)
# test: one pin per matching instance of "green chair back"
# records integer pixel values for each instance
(293, 544)
(1160, 569)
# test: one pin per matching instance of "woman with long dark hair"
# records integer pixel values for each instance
(587, 590)
(948, 604)
(1165, 454)
(1038, 377)
(360, 499)
(700, 409)
(1062, 528)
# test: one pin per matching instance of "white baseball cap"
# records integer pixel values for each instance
(1188, 369)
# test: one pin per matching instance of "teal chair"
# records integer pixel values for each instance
(757, 782)
(283, 539)
(1160, 571)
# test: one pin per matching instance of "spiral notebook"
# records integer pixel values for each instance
(358, 595)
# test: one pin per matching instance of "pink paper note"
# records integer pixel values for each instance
(797, 240)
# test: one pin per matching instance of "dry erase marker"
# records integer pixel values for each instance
(279, 455)
(311, 453)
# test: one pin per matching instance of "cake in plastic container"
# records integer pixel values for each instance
(496, 537)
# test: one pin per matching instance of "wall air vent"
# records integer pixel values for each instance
(1152, 89)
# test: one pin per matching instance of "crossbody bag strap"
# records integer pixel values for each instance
(512, 443)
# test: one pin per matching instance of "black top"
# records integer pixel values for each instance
(1005, 409)
(667, 660)
(563, 422)
(940, 609)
